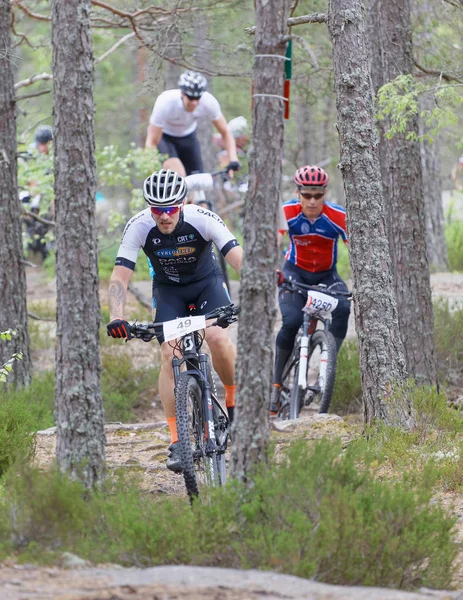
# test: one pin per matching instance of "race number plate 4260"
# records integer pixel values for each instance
(179, 327)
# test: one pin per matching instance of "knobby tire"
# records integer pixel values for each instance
(319, 339)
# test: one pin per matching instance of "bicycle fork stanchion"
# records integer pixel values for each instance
(211, 445)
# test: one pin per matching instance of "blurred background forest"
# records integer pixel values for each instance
(211, 37)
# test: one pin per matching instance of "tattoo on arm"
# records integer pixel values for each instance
(117, 298)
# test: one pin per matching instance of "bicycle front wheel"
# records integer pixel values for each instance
(199, 468)
(321, 369)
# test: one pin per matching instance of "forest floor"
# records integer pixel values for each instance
(142, 448)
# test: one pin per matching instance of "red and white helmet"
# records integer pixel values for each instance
(311, 176)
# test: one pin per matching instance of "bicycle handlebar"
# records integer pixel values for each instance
(295, 286)
(225, 316)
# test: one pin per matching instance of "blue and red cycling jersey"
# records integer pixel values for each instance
(313, 242)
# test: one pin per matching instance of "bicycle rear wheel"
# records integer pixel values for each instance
(199, 468)
(321, 369)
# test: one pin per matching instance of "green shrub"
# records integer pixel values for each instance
(314, 513)
(454, 238)
(347, 395)
(448, 331)
(124, 387)
(435, 437)
(16, 431)
(343, 264)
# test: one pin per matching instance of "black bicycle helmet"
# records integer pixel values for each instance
(164, 188)
(43, 134)
(192, 84)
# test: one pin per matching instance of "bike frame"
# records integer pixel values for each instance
(197, 361)
(309, 325)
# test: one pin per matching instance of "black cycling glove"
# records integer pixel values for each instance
(233, 166)
(119, 329)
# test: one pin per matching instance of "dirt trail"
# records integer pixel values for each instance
(142, 448)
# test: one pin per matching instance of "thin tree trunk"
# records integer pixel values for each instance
(400, 160)
(305, 133)
(432, 185)
(257, 292)
(381, 353)
(202, 61)
(80, 444)
(13, 309)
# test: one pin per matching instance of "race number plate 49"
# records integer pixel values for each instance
(319, 303)
(179, 327)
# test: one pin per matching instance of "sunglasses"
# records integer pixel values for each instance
(192, 97)
(318, 196)
(169, 210)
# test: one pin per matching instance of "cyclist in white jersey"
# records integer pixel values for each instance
(173, 122)
(178, 241)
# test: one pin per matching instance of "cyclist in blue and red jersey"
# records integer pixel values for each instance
(314, 227)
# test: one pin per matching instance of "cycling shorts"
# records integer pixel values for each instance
(187, 149)
(173, 301)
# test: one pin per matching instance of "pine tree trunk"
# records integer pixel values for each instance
(257, 292)
(381, 353)
(203, 61)
(305, 132)
(400, 160)
(80, 445)
(432, 185)
(13, 309)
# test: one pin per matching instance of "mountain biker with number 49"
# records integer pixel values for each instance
(177, 239)
(314, 227)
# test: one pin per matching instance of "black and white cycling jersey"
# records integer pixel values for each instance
(185, 255)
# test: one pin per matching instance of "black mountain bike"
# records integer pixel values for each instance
(203, 427)
(310, 372)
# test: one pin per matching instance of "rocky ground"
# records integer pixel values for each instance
(142, 447)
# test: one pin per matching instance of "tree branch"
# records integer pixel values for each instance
(116, 45)
(292, 21)
(32, 215)
(436, 73)
(25, 96)
(33, 79)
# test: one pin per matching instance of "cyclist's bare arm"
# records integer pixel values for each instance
(153, 136)
(228, 140)
(117, 292)
(234, 258)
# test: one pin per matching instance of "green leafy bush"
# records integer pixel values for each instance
(448, 331)
(124, 387)
(347, 395)
(38, 400)
(314, 513)
(16, 432)
(454, 238)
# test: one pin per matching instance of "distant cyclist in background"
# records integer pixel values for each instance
(43, 137)
(173, 122)
(238, 127)
(457, 175)
(314, 227)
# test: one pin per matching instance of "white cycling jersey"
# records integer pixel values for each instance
(170, 114)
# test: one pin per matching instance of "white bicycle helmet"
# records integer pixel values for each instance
(164, 188)
(192, 84)
(238, 126)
